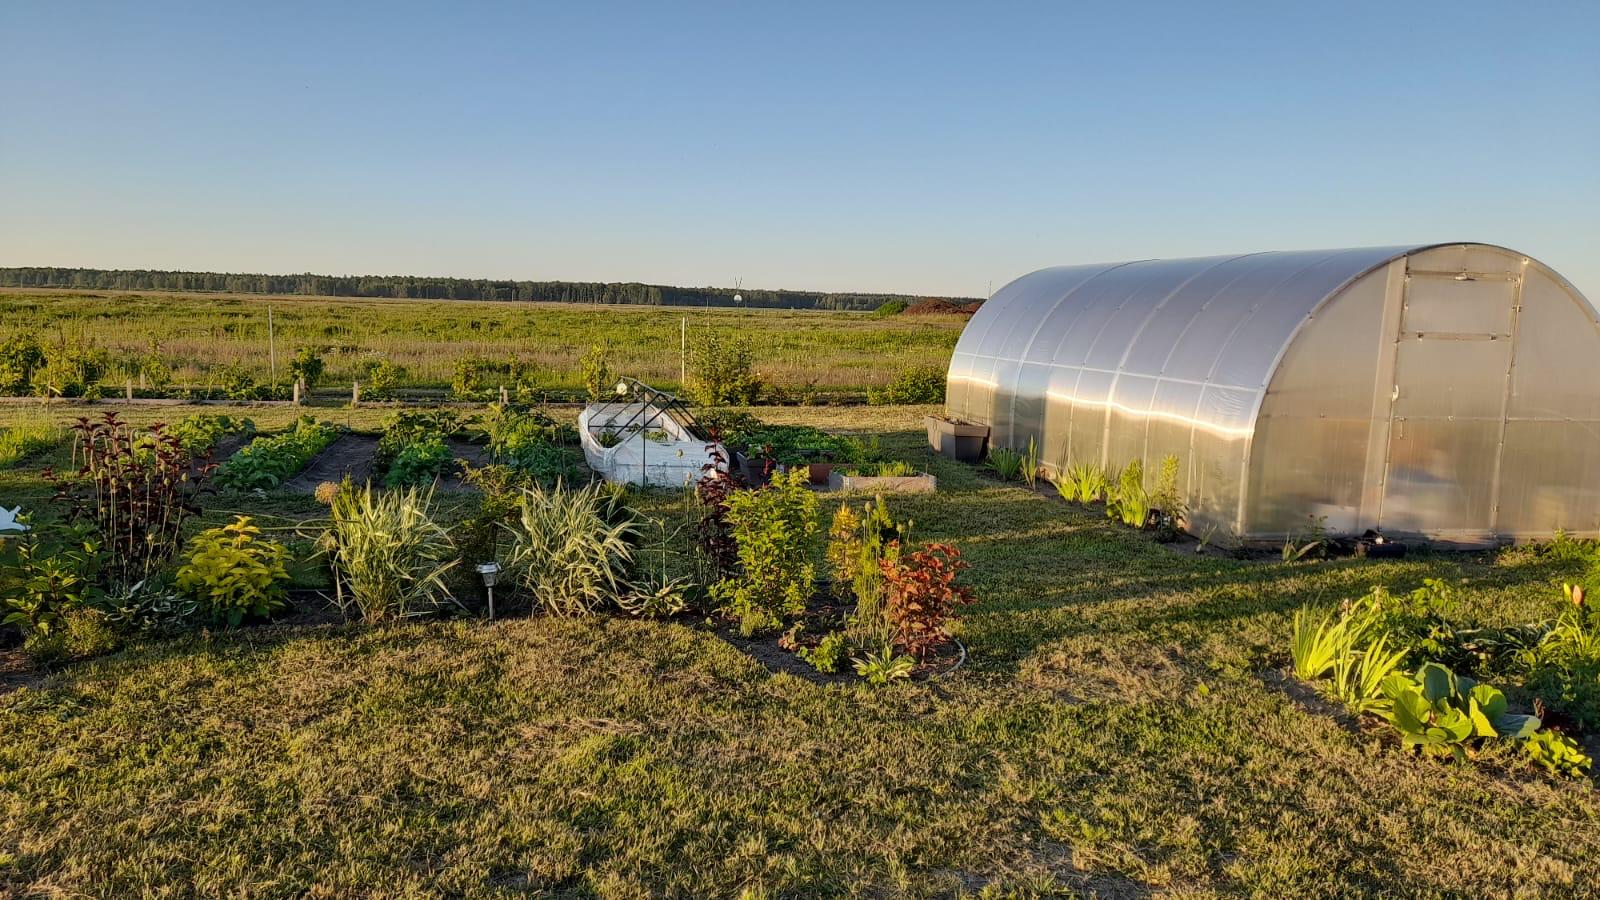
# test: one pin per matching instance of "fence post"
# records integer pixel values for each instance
(355, 394)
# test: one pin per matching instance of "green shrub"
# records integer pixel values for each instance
(45, 573)
(533, 444)
(884, 666)
(480, 378)
(71, 370)
(1441, 712)
(388, 555)
(722, 372)
(828, 654)
(382, 377)
(20, 357)
(268, 461)
(595, 370)
(84, 633)
(239, 383)
(888, 309)
(919, 384)
(306, 366)
(232, 572)
(572, 549)
(774, 529)
(1564, 666)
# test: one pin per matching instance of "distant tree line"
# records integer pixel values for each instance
(420, 288)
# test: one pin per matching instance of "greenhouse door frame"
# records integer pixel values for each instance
(1446, 378)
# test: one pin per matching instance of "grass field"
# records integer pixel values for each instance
(196, 333)
(1123, 728)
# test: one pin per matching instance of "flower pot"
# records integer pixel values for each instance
(755, 471)
(962, 441)
(818, 472)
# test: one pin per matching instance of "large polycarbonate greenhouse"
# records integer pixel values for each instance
(1446, 391)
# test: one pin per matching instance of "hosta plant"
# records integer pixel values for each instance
(1441, 712)
(387, 553)
(233, 572)
(884, 666)
(572, 549)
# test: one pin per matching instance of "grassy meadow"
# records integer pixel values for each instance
(198, 333)
(1124, 727)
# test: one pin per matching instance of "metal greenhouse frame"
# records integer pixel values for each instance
(1444, 391)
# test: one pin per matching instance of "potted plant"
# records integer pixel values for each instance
(962, 441)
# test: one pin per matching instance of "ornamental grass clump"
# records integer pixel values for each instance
(387, 553)
(572, 549)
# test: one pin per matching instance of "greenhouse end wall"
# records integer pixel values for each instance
(1436, 391)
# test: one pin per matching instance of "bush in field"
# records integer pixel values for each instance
(406, 427)
(71, 371)
(478, 378)
(233, 572)
(238, 383)
(20, 357)
(306, 366)
(889, 309)
(920, 384)
(572, 549)
(382, 376)
(388, 555)
(596, 372)
(774, 529)
(722, 372)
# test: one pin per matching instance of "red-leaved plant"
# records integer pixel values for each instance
(923, 596)
(134, 488)
(714, 533)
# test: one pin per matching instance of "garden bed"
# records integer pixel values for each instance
(909, 484)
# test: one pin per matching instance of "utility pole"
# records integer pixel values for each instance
(683, 354)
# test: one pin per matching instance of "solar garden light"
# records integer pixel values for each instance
(490, 571)
(621, 388)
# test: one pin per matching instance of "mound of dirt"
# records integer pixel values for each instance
(941, 308)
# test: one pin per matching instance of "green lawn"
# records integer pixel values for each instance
(1122, 728)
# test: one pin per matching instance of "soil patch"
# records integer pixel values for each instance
(467, 453)
(350, 455)
(825, 614)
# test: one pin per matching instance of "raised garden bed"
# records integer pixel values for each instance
(961, 441)
(908, 484)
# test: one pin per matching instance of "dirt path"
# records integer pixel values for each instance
(350, 455)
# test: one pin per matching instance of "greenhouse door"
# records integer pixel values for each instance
(1451, 372)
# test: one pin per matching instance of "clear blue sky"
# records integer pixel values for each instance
(911, 147)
